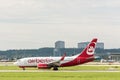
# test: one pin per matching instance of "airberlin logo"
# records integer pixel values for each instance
(90, 49)
(39, 60)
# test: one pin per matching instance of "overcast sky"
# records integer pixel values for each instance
(32, 24)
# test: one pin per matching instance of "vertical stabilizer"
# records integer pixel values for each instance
(89, 50)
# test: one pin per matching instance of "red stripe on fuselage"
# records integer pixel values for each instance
(77, 61)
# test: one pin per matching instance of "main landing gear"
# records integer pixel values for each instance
(23, 68)
(55, 68)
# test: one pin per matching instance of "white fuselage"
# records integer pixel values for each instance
(34, 61)
(87, 55)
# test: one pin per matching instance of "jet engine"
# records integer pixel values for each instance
(43, 66)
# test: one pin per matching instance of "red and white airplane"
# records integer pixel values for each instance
(87, 55)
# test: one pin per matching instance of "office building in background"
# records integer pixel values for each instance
(59, 44)
(99, 45)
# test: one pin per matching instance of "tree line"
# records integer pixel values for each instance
(46, 52)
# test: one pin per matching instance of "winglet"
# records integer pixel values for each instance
(62, 58)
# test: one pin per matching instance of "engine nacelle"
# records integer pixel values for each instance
(43, 66)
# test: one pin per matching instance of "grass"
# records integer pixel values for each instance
(91, 68)
(82, 67)
(13, 68)
(61, 76)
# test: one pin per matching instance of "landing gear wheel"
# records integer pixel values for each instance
(55, 68)
(23, 68)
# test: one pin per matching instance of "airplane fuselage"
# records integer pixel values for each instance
(33, 61)
(87, 55)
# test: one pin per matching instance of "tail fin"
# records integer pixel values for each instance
(89, 50)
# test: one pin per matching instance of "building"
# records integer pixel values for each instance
(59, 44)
(114, 57)
(99, 45)
(82, 44)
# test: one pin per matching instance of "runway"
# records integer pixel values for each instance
(111, 68)
(59, 71)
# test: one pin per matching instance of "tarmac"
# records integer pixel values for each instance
(89, 64)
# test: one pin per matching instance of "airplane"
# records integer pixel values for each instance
(87, 55)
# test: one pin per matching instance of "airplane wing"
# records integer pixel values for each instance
(54, 64)
(57, 63)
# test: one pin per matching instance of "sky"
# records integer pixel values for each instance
(33, 24)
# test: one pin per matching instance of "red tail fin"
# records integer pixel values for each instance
(89, 50)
